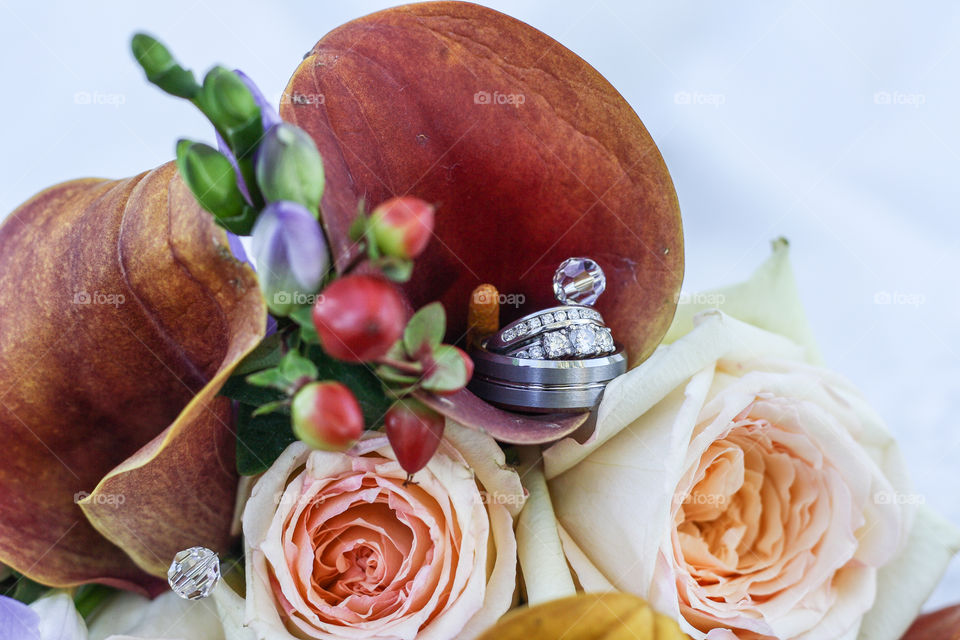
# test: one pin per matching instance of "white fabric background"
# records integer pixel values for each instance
(833, 124)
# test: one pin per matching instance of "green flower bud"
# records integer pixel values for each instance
(227, 101)
(211, 178)
(161, 67)
(289, 167)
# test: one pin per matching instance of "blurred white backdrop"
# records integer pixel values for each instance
(833, 124)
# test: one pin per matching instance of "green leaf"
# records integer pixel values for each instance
(427, 326)
(237, 388)
(361, 380)
(392, 376)
(273, 378)
(24, 589)
(272, 407)
(396, 269)
(260, 439)
(304, 318)
(358, 228)
(89, 597)
(267, 354)
(295, 367)
(450, 373)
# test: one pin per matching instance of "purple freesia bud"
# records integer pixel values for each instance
(291, 255)
(18, 621)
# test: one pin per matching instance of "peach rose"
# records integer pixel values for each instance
(338, 546)
(743, 490)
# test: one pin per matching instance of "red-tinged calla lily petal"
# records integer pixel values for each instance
(121, 313)
(529, 154)
(467, 409)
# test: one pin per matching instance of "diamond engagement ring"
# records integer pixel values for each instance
(556, 359)
(529, 328)
(577, 341)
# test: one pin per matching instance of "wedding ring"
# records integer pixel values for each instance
(524, 330)
(579, 341)
(557, 359)
(543, 386)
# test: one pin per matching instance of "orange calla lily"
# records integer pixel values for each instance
(529, 155)
(122, 312)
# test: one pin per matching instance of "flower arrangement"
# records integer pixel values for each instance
(247, 423)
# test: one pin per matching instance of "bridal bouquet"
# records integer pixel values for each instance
(408, 358)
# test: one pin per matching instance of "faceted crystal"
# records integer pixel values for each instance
(534, 323)
(509, 335)
(523, 354)
(584, 340)
(536, 352)
(573, 314)
(578, 281)
(521, 329)
(558, 316)
(605, 340)
(547, 318)
(194, 573)
(555, 344)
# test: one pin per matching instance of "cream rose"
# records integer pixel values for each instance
(338, 546)
(743, 490)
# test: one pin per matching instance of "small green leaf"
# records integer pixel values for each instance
(396, 269)
(427, 326)
(237, 388)
(295, 367)
(392, 376)
(358, 228)
(272, 407)
(304, 318)
(267, 354)
(273, 378)
(260, 439)
(450, 373)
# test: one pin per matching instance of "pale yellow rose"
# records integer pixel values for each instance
(736, 485)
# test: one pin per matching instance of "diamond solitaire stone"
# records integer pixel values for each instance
(584, 339)
(555, 344)
(578, 281)
(194, 573)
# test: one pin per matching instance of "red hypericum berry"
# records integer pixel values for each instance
(359, 317)
(402, 226)
(326, 415)
(414, 431)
